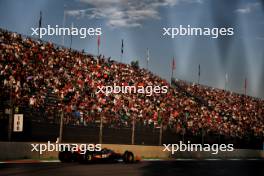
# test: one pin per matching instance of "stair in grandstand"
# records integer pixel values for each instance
(199, 100)
(51, 98)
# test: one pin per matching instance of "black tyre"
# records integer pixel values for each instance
(65, 157)
(76, 157)
(128, 157)
(87, 157)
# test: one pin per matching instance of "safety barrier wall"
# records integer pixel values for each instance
(22, 150)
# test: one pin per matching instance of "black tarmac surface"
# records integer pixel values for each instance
(148, 168)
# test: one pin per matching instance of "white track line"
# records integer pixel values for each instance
(177, 159)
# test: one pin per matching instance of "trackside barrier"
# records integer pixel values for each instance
(22, 150)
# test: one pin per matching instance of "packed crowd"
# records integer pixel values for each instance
(34, 70)
(245, 113)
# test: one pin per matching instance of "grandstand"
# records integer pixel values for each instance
(40, 80)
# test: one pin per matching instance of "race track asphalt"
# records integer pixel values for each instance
(148, 168)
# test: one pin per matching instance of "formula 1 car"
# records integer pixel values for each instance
(103, 156)
(107, 156)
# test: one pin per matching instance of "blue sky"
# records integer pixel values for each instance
(140, 23)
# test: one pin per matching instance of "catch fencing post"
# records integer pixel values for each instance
(61, 125)
(10, 120)
(101, 130)
(160, 133)
(133, 131)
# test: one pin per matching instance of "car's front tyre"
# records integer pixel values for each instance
(128, 157)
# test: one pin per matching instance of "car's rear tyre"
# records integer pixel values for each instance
(76, 157)
(65, 157)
